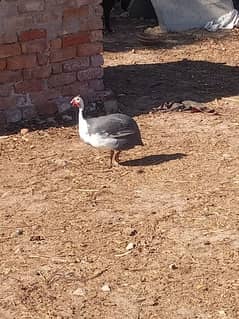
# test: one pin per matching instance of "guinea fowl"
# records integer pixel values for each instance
(116, 132)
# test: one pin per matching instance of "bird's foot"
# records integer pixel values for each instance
(114, 164)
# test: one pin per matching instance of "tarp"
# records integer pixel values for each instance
(227, 21)
(181, 15)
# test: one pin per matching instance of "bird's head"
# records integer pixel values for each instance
(77, 101)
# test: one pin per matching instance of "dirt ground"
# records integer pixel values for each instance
(157, 237)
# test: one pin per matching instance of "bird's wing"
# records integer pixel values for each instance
(114, 125)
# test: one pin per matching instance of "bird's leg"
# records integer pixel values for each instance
(111, 157)
(117, 155)
(116, 158)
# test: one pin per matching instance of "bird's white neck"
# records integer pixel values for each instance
(81, 111)
(83, 126)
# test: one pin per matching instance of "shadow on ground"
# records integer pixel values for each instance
(142, 87)
(153, 159)
(129, 31)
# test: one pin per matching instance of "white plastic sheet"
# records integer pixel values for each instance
(226, 21)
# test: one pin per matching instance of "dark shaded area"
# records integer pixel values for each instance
(140, 88)
(153, 159)
(42, 123)
(236, 4)
(142, 8)
(129, 34)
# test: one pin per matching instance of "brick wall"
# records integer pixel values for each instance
(50, 50)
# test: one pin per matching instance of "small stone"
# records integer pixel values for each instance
(36, 227)
(79, 292)
(140, 171)
(173, 266)
(19, 250)
(60, 163)
(19, 232)
(132, 232)
(106, 288)
(36, 238)
(130, 246)
(24, 131)
(222, 313)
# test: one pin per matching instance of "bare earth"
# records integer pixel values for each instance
(66, 219)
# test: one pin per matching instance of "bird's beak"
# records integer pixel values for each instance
(73, 102)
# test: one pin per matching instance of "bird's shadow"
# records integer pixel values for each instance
(153, 159)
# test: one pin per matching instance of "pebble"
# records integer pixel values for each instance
(60, 163)
(132, 232)
(173, 266)
(130, 246)
(24, 131)
(222, 313)
(79, 292)
(106, 288)
(36, 238)
(19, 232)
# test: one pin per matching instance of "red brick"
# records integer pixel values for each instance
(27, 74)
(3, 64)
(32, 35)
(75, 89)
(89, 49)
(97, 60)
(43, 58)
(92, 23)
(41, 72)
(10, 76)
(63, 54)
(82, 11)
(56, 43)
(21, 62)
(98, 11)
(33, 46)
(90, 74)
(75, 39)
(76, 64)
(56, 68)
(7, 50)
(61, 79)
(96, 35)
(29, 86)
(7, 102)
(47, 108)
(9, 36)
(31, 5)
(95, 23)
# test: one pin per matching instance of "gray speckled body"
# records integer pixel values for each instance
(118, 131)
